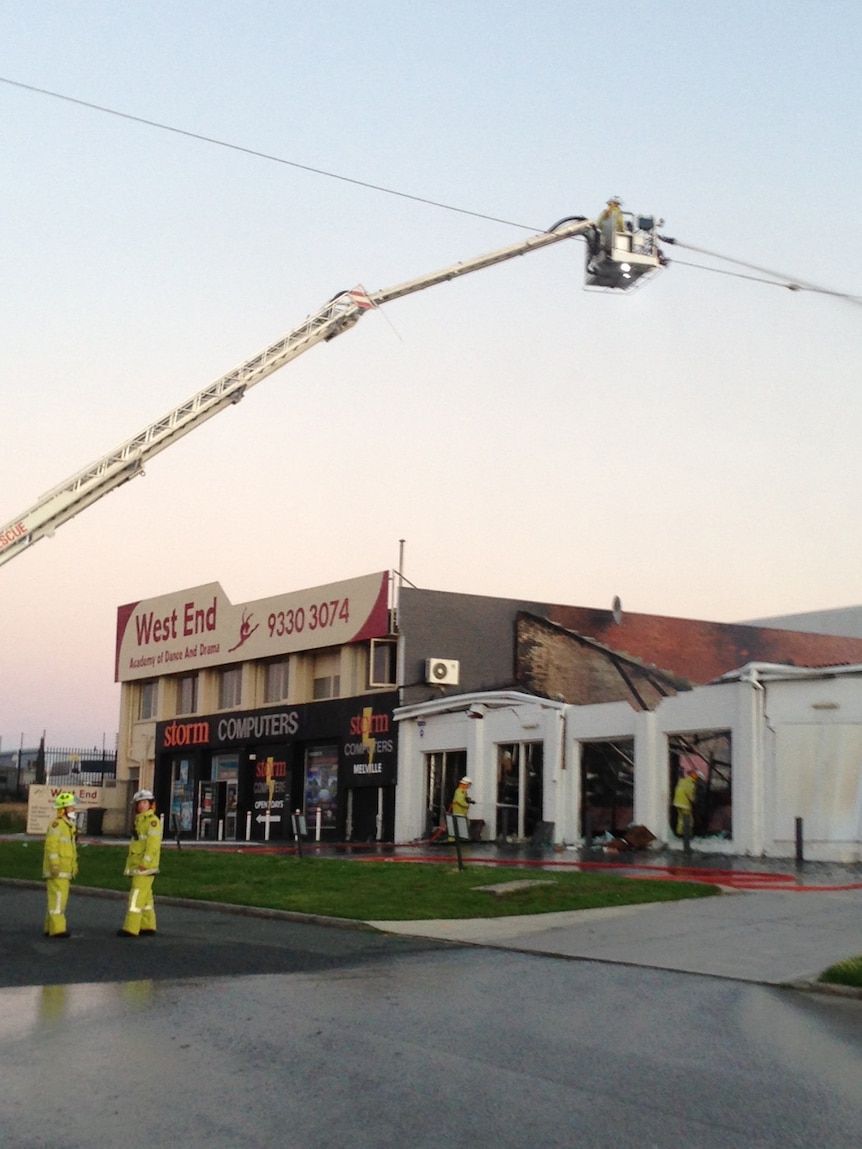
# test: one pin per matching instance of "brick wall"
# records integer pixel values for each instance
(552, 661)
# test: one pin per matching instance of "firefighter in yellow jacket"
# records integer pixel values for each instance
(142, 865)
(613, 215)
(461, 802)
(60, 864)
(684, 797)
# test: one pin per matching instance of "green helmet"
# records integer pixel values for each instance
(62, 801)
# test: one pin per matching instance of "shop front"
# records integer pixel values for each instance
(241, 776)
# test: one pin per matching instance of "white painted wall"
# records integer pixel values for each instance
(814, 760)
(436, 727)
(796, 750)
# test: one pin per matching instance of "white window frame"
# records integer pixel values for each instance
(389, 645)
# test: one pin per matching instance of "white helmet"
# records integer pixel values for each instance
(466, 782)
(144, 796)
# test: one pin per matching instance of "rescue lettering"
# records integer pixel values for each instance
(11, 534)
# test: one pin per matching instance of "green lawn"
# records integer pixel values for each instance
(847, 972)
(13, 820)
(382, 890)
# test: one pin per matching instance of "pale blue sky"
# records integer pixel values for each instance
(692, 448)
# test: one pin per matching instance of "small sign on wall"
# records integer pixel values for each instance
(40, 805)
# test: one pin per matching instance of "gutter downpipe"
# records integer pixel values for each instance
(757, 720)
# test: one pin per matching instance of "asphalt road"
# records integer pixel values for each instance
(192, 942)
(227, 1031)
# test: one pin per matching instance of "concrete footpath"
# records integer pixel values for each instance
(766, 937)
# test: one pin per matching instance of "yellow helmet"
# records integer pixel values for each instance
(62, 801)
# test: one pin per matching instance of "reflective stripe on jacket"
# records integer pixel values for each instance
(60, 859)
(146, 845)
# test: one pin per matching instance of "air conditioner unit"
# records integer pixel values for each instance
(442, 671)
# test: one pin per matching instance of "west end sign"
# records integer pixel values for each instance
(191, 629)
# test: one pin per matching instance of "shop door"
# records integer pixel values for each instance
(217, 811)
(519, 790)
(443, 771)
(270, 816)
(364, 807)
(182, 797)
(207, 811)
(321, 790)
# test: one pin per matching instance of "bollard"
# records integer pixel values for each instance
(799, 856)
(298, 830)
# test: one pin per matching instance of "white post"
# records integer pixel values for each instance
(220, 829)
(248, 826)
(317, 832)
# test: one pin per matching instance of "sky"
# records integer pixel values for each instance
(692, 448)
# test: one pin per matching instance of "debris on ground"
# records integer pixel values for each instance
(502, 888)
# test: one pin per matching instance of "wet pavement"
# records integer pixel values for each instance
(193, 940)
(363, 1040)
(727, 871)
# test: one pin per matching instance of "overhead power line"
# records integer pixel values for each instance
(779, 279)
(258, 154)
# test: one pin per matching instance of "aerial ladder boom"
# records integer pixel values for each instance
(344, 310)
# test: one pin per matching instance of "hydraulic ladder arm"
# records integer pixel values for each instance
(127, 461)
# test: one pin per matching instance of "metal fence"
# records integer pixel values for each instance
(54, 766)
